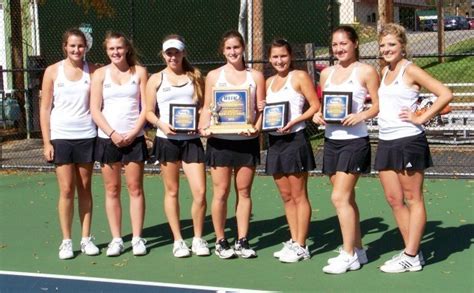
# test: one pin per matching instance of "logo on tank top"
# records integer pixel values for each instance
(107, 85)
(221, 84)
(166, 89)
(60, 84)
(86, 81)
(134, 82)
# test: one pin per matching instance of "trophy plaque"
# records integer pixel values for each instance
(336, 106)
(275, 116)
(230, 111)
(183, 117)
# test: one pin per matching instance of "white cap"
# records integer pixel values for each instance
(173, 43)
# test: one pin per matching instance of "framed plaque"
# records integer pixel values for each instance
(230, 110)
(184, 117)
(275, 116)
(336, 106)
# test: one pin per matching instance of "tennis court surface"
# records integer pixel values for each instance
(30, 237)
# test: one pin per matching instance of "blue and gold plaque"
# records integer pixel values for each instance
(336, 106)
(230, 110)
(183, 117)
(275, 116)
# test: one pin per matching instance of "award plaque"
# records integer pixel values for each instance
(275, 116)
(183, 117)
(230, 111)
(336, 106)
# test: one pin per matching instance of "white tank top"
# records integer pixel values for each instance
(169, 94)
(121, 104)
(70, 116)
(249, 82)
(288, 94)
(393, 98)
(359, 93)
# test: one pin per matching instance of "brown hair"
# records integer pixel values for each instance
(282, 43)
(351, 34)
(131, 56)
(72, 32)
(192, 72)
(230, 35)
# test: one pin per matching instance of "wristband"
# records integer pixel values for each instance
(113, 131)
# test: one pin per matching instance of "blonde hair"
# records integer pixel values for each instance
(399, 32)
(192, 72)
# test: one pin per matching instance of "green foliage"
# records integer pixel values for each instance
(454, 69)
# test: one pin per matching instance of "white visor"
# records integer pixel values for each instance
(173, 43)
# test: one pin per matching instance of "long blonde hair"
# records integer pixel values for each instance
(192, 72)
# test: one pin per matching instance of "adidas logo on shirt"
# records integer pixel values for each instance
(409, 165)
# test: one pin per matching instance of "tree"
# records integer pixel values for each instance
(102, 8)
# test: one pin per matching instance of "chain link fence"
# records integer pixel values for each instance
(31, 31)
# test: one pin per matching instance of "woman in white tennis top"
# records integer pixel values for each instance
(233, 155)
(117, 102)
(403, 152)
(69, 136)
(179, 83)
(347, 150)
(290, 156)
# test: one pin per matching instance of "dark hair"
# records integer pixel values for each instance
(73, 32)
(282, 43)
(351, 34)
(193, 73)
(230, 35)
(131, 56)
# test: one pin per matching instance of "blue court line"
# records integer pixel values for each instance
(35, 282)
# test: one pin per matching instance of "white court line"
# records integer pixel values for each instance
(129, 282)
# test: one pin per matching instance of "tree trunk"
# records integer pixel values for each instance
(17, 58)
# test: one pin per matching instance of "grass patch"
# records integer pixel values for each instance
(455, 69)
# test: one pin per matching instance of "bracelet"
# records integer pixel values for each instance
(113, 131)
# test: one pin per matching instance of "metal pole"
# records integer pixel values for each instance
(440, 10)
(250, 30)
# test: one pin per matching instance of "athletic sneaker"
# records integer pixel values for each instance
(397, 256)
(88, 247)
(223, 249)
(200, 247)
(343, 263)
(242, 248)
(295, 253)
(403, 263)
(361, 255)
(284, 250)
(65, 249)
(138, 246)
(180, 249)
(115, 247)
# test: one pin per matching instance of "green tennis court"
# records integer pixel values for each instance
(30, 237)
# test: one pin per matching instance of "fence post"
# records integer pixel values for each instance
(440, 11)
(258, 33)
